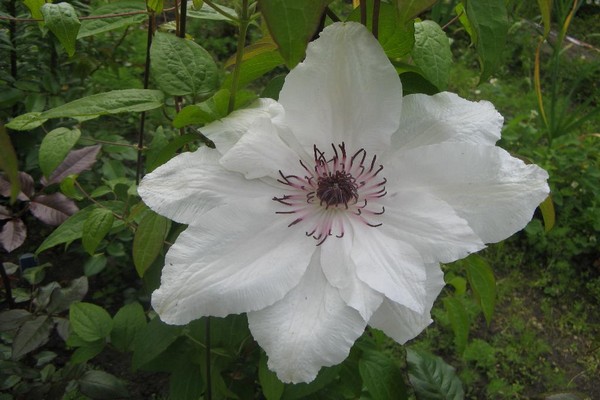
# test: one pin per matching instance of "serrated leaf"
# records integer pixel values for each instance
(272, 387)
(55, 147)
(483, 283)
(489, 20)
(52, 209)
(31, 335)
(8, 164)
(89, 321)
(90, 27)
(181, 67)
(75, 163)
(11, 320)
(459, 320)
(432, 378)
(148, 240)
(72, 228)
(61, 19)
(153, 340)
(432, 54)
(13, 234)
(382, 376)
(292, 24)
(95, 227)
(102, 386)
(128, 322)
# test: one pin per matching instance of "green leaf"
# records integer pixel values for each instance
(432, 378)
(489, 20)
(102, 386)
(148, 240)
(167, 151)
(546, 11)
(34, 7)
(113, 102)
(482, 281)
(155, 5)
(432, 54)
(67, 187)
(27, 122)
(55, 147)
(382, 376)
(95, 227)
(459, 320)
(396, 35)
(8, 164)
(62, 20)
(181, 67)
(186, 382)
(91, 27)
(292, 24)
(152, 341)
(87, 351)
(89, 321)
(303, 390)
(204, 11)
(95, 264)
(409, 9)
(128, 322)
(258, 59)
(548, 214)
(272, 387)
(31, 335)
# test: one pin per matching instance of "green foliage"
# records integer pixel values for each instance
(431, 53)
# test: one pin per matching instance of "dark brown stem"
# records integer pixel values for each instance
(151, 23)
(375, 18)
(182, 18)
(7, 288)
(363, 12)
(331, 15)
(208, 372)
(12, 29)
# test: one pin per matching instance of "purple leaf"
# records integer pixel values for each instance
(52, 209)
(4, 213)
(13, 234)
(76, 162)
(27, 186)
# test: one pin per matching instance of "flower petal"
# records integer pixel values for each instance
(239, 258)
(261, 152)
(227, 131)
(495, 192)
(191, 184)
(401, 323)
(389, 266)
(346, 90)
(429, 224)
(310, 328)
(446, 117)
(340, 271)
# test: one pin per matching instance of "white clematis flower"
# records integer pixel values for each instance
(331, 209)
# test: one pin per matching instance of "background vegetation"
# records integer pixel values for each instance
(80, 325)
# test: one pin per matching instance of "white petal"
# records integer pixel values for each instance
(401, 323)
(446, 117)
(310, 328)
(429, 224)
(340, 271)
(227, 131)
(389, 266)
(495, 192)
(191, 184)
(261, 152)
(345, 91)
(237, 259)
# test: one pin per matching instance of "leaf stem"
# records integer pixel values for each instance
(208, 371)
(9, 298)
(243, 25)
(375, 18)
(140, 145)
(221, 11)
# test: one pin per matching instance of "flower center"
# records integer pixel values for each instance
(333, 192)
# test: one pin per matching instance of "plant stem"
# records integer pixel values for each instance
(243, 25)
(208, 372)
(375, 18)
(363, 12)
(140, 146)
(7, 288)
(221, 11)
